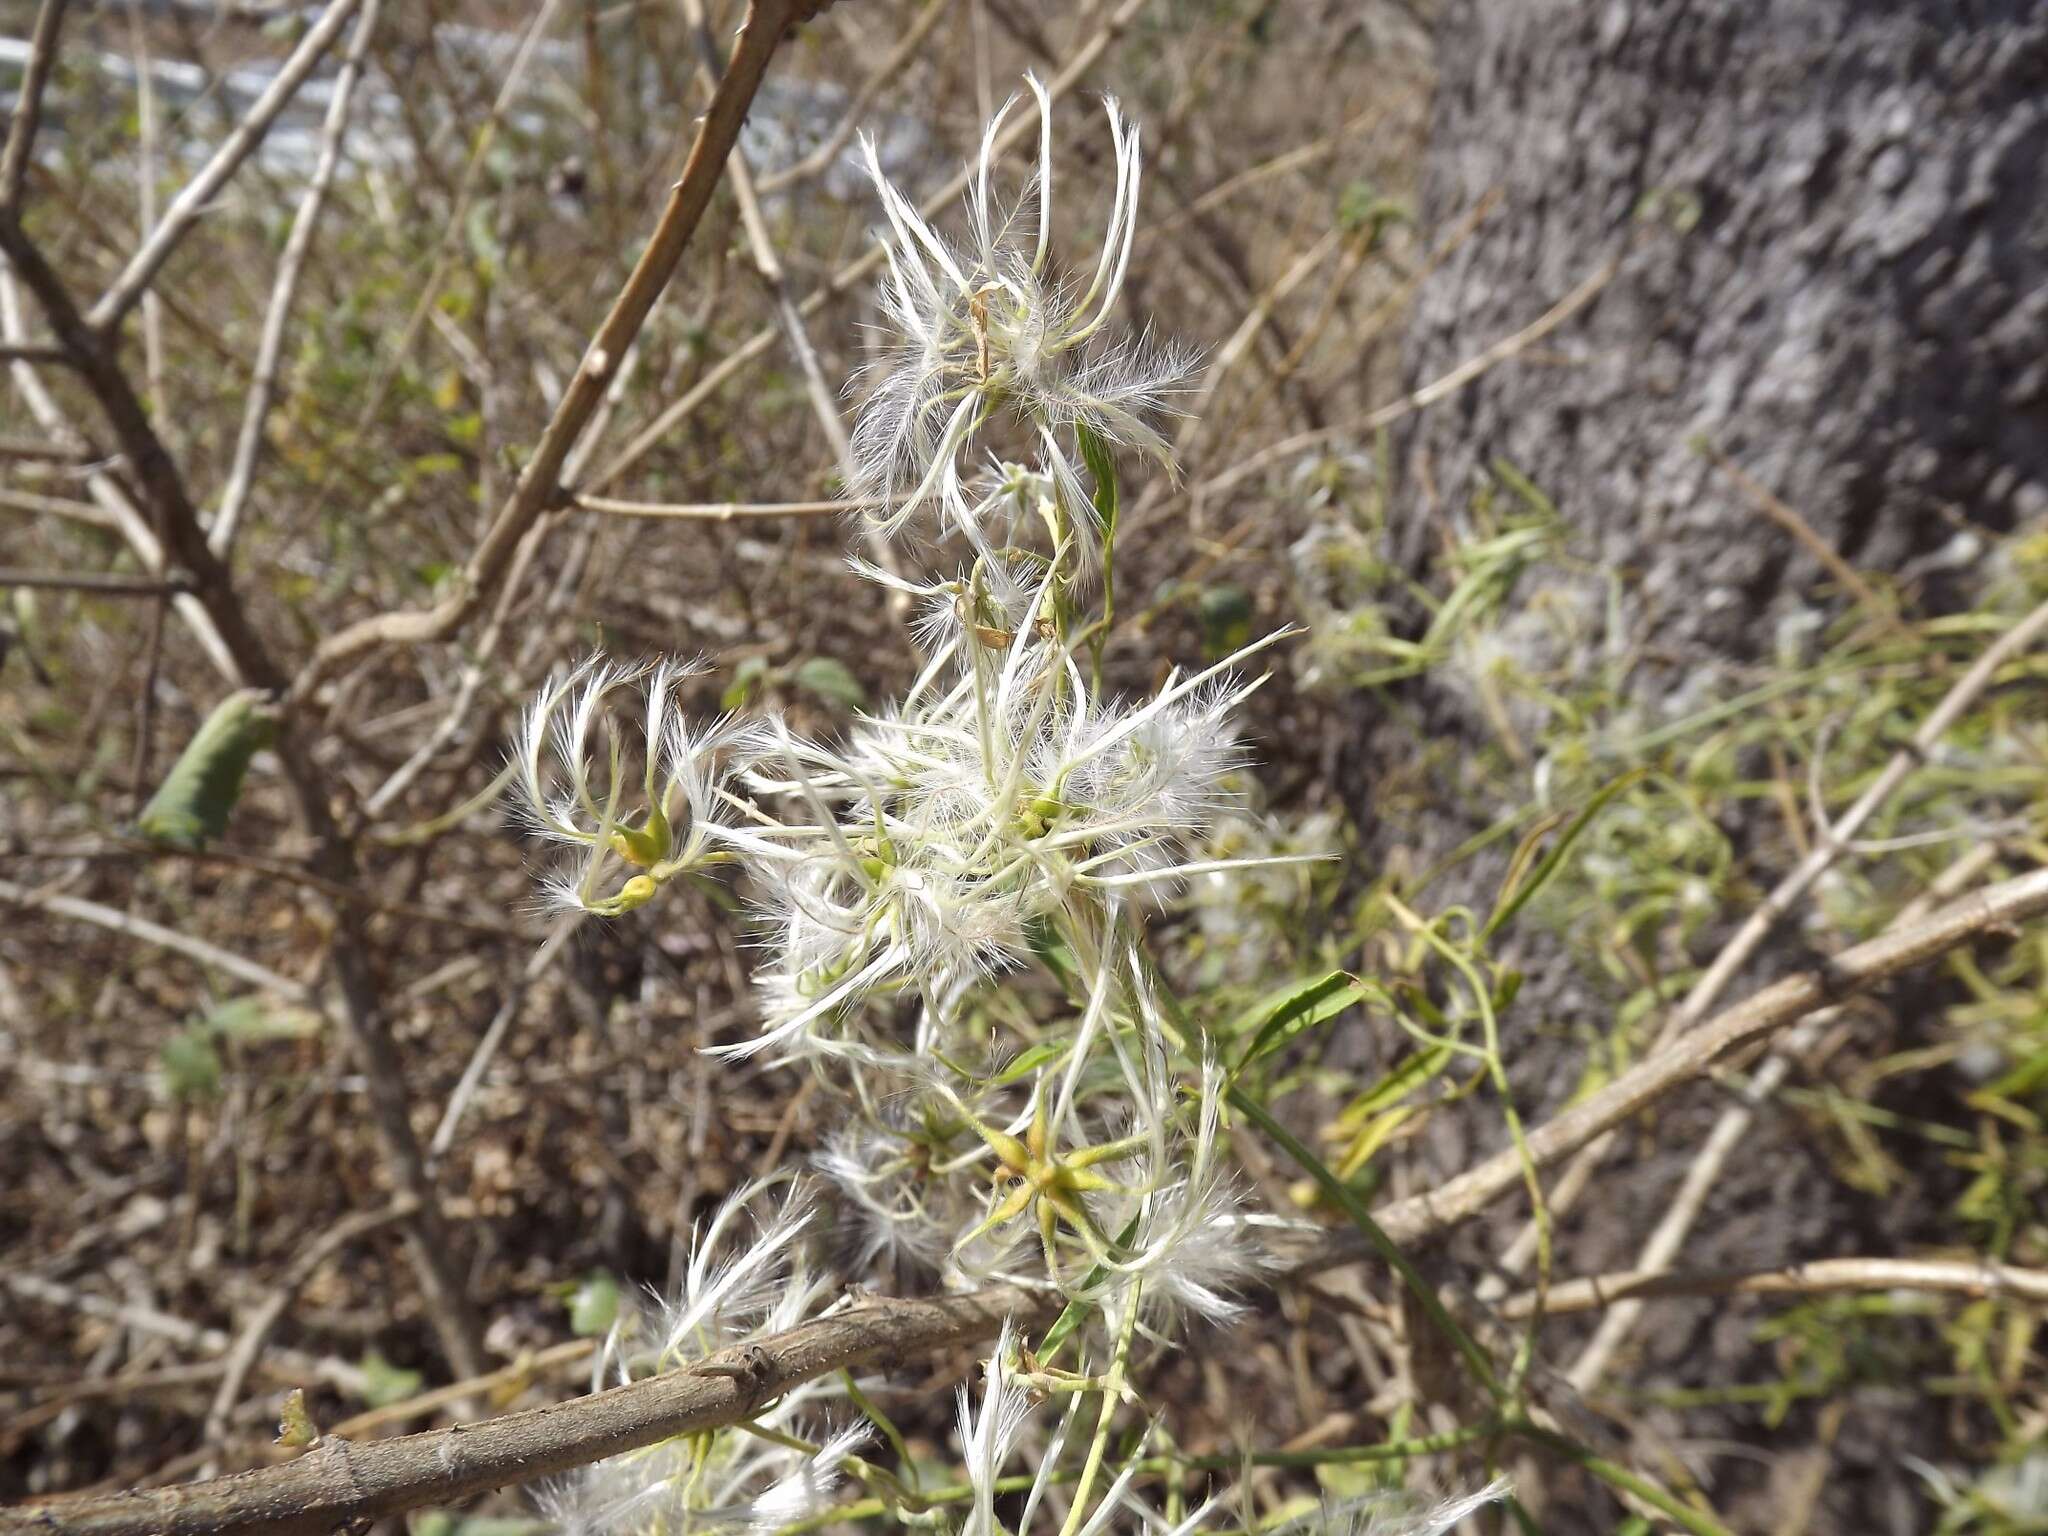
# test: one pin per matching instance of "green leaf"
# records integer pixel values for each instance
(255, 1020)
(595, 1306)
(192, 805)
(1030, 1060)
(1101, 462)
(830, 679)
(385, 1383)
(2020, 1081)
(1226, 614)
(191, 1065)
(295, 1427)
(1053, 954)
(430, 464)
(1280, 1016)
(746, 677)
(1515, 891)
(1374, 1116)
(1415, 1069)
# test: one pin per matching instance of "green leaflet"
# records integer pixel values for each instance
(1279, 1016)
(594, 1306)
(1522, 882)
(192, 805)
(831, 680)
(1101, 462)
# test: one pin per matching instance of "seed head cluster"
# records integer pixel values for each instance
(948, 908)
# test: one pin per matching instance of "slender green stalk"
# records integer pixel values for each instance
(1112, 1390)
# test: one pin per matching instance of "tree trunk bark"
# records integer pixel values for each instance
(1836, 274)
(1833, 269)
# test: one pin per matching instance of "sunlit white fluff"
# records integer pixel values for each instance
(989, 327)
(988, 1434)
(748, 1276)
(570, 762)
(1397, 1514)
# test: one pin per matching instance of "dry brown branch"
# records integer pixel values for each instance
(1820, 1277)
(539, 486)
(1662, 1247)
(28, 105)
(762, 342)
(297, 245)
(191, 201)
(1423, 1216)
(341, 1484)
(497, 1386)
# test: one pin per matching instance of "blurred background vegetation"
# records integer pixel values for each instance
(1507, 655)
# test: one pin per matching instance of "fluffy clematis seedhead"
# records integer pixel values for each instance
(992, 327)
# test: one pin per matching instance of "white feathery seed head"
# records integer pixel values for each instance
(991, 326)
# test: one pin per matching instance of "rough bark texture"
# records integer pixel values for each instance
(1836, 272)
(1855, 313)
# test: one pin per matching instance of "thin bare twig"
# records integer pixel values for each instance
(191, 202)
(1818, 1277)
(111, 583)
(28, 104)
(130, 926)
(718, 511)
(1788, 518)
(1692, 1055)
(494, 1036)
(55, 506)
(539, 486)
(41, 353)
(263, 378)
